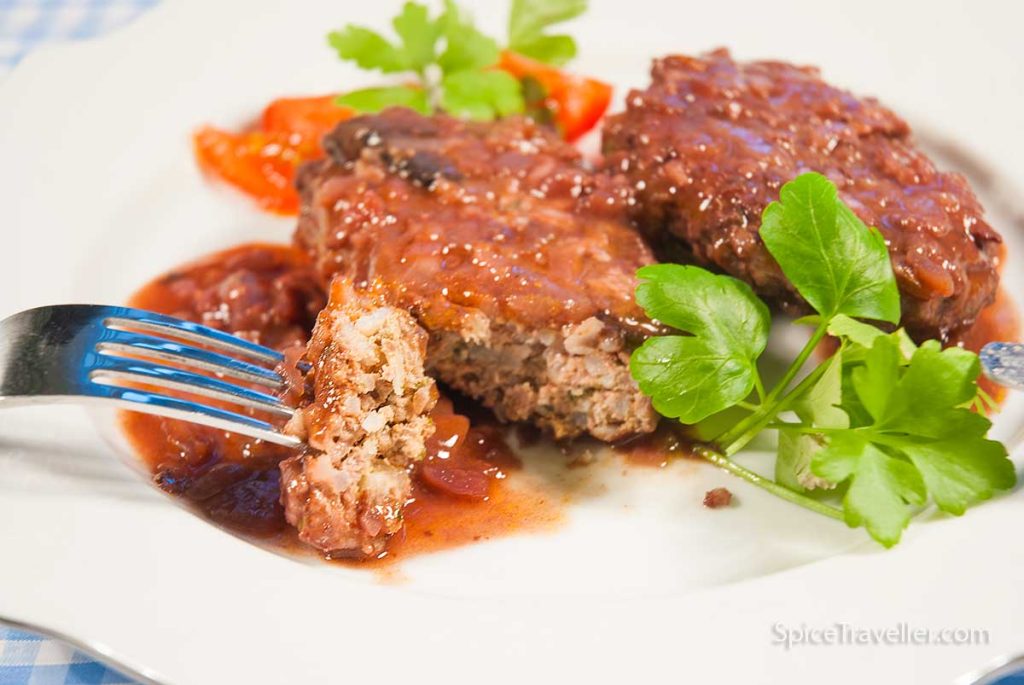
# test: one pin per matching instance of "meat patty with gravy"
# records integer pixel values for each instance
(710, 142)
(516, 258)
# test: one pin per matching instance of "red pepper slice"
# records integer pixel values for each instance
(262, 165)
(456, 481)
(262, 162)
(309, 118)
(576, 103)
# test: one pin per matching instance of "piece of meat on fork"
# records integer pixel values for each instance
(364, 404)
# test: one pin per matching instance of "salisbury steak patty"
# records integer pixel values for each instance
(516, 259)
(365, 420)
(708, 145)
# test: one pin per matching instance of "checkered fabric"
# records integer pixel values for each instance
(25, 24)
(27, 659)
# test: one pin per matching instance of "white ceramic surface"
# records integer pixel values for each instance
(100, 192)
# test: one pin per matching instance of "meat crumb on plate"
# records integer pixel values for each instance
(717, 498)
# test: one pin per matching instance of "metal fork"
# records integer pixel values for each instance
(93, 353)
(1003, 362)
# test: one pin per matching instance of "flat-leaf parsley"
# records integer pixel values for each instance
(883, 424)
(452, 65)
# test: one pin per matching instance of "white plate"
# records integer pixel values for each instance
(100, 193)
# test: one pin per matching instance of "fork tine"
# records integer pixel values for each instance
(110, 369)
(118, 342)
(192, 332)
(175, 408)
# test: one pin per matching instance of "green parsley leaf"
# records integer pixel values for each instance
(692, 377)
(529, 18)
(928, 400)
(367, 48)
(881, 486)
(375, 99)
(874, 380)
(916, 440)
(961, 471)
(856, 411)
(467, 85)
(467, 48)
(419, 33)
(819, 406)
(481, 94)
(793, 461)
(836, 263)
(884, 422)
(864, 335)
(556, 50)
(926, 420)
(858, 333)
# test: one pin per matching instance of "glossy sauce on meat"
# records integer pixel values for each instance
(709, 144)
(461, 218)
(269, 295)
(515, 257)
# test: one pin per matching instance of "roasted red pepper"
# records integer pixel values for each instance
(309, 118)
(576, 103)
(262, 162)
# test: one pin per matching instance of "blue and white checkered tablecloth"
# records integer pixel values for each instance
(26, 24)
(27, 659)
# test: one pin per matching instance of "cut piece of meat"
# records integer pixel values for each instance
(570, 381)
(710, 142)
(516, 258)
(364, 417)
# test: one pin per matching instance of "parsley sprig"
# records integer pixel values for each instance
(882, 426)
(450, 63)
(527, 22)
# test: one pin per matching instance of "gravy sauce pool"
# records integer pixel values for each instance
(463, 491)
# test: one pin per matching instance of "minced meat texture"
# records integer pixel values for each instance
(710, 142)
(517, 259)
(364, 418)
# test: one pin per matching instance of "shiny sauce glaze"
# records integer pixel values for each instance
(657, 449)
(710, 143)
(268, 294)
(464, 219)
